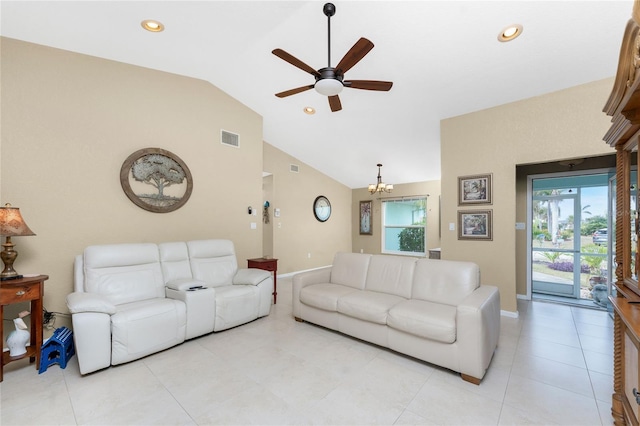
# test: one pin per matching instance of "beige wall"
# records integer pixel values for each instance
(521, 236)
(372, 243)
(560, 125)
(68, 123)
(267, 223)
(300, 242)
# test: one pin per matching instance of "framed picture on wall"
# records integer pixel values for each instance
(156, 180)
(365, 218)
(475, 189)
(475, 225)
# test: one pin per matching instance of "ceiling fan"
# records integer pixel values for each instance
(330, 80)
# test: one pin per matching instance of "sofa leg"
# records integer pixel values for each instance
(470, 379)
(298, 319)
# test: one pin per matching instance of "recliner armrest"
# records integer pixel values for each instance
(251, 276)
(78, 302)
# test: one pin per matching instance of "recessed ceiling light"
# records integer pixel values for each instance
(152, 25)
(510, 32)
(309, 110)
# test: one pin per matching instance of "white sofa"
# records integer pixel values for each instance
(433, 310)
(132, 300)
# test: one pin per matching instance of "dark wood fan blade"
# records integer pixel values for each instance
(354, 55)
(293, 91)
(295, 61)
(382, 86)
(334, 103)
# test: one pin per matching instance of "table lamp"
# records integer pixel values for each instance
(11, 225)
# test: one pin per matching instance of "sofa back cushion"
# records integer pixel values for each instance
(350, 269)
(123, 272)
(174, 260)
(391, 275)
(444, 281)
(213, 261)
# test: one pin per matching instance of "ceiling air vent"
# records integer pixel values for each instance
(294, 168)
(231, 139)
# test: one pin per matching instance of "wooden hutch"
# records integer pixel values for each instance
(623, 106)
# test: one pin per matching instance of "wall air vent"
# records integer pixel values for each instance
(294, 168)
(231, 139)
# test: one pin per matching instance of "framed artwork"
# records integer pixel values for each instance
(475, 189)
(156, 180)
(475, 225)
(365, 218)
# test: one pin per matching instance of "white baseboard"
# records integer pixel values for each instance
(290, 274)
(510, 314)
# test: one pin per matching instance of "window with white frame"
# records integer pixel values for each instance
(404, 226)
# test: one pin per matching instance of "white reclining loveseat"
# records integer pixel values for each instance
(433, 310)
(132, 300)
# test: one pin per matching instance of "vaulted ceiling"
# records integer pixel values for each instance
(442, 56)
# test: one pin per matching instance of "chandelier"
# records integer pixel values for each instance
(380, 186)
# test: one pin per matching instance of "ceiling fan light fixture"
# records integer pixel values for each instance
(329, 81)
(328, 86)
(509, 33)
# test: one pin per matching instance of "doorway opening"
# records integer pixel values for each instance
(570, 249)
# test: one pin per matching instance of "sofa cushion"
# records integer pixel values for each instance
(235, 305)
(391, 275)
(110, 255)
(174, 259)
(350, 269)
(324, 296)
(213, 261)
(124, 273)
(142, 328)
(444, 281)
(369, 306)
(433, 321)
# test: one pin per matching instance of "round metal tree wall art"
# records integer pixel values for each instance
(156, 180)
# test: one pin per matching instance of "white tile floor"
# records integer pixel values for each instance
(553, 366)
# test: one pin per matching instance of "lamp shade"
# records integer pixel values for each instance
(12, 224)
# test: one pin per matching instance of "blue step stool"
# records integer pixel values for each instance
(57, 350)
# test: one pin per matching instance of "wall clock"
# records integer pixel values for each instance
(322, 208)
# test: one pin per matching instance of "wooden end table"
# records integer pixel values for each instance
(23, 290)
(267, 265)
